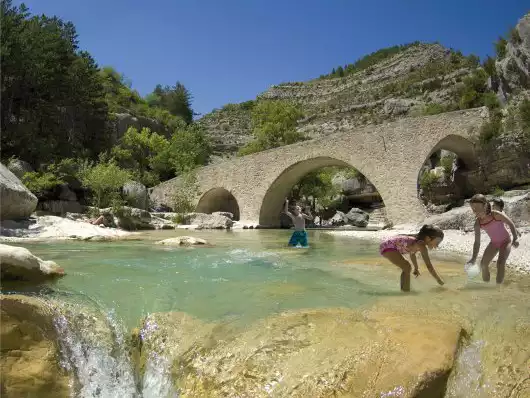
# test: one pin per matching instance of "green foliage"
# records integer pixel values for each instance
(489, 66)
(515, 37)
(474, 92)
(189, 147)
(490, 100)
(447, 164)
(52, 98)
(183, 198)
(145, 153)
(434, 109)
(369, 60)
(524, 114)
(428, 180)
(39, 182)
(317, 185)
(500, 48)
(490, 130)
(497, 191)
(274, 125)
(175, 99)
(104, 179)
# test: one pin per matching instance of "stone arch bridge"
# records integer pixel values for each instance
(390, 155)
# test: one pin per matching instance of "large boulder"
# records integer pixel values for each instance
(215, 220)
(129, 218)
(16, 201)
(19, 263)
(307, 353)
(29, 363)
(136, 194)
(357, 217)
(19, 167)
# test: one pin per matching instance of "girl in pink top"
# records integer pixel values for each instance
(394, 247)
(493, 223)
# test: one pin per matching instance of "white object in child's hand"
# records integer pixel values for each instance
(471, 269)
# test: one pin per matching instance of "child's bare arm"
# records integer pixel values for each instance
(504, 218)
(428, 264)
(416, 271)
(476, 245)
(308, 216)
(286, 209)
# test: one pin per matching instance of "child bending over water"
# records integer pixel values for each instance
(300, 234)
(492, 222)
(394, 247)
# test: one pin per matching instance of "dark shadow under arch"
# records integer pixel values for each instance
(273, 201)
(218, 199)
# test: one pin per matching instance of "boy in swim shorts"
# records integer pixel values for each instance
(299, 235)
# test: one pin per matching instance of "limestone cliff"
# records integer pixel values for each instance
(401, 85)
(419, 79)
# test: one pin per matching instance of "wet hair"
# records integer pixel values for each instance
(479, 198)
(499, 202)
(430, 231)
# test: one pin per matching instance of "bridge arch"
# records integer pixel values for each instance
(273, 201)
(218, 199)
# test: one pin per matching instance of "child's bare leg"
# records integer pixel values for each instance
(504, 252)
(397, 259)
(488, 255)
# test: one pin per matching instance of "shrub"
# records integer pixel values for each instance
(515, 37)
(183, 199)
(500, 48)
(447, 164)
(433, 109)
(39, 182)
(497, 191)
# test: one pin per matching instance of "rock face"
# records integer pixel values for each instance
(19, 167)
(514, 67)
(183, 241)
(129, 218)
(355, 217)
(136, 194)
(123, 121)
(19, 263)
(16, 200)
(404, 84)
(311, 353)
(215, 220)
(29, 359)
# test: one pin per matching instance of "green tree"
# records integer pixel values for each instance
(144, 153)
(189, 148)
(274, 125)
(340, 71)
(52, 98)
(489, 66)
(176, 99)
(104, 179)
(500, 47)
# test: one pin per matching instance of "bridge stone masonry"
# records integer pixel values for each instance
(390, 155)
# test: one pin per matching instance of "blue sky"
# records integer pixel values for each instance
(231, 50)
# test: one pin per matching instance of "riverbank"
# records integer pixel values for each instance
(455, 241)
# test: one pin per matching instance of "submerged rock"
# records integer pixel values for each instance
(182, 240)
(19, 263)
(29, 360)
(316, 353)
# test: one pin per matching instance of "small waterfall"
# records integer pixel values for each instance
(156, 381)
(93, 349)
(97, 358)
(466, 380)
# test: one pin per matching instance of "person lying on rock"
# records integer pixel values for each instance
(299, 235)
(393, 248)
(494, 224)
(97, 221)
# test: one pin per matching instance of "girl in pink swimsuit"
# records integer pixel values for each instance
(492, 222)
(395, 247)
